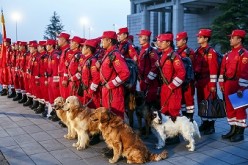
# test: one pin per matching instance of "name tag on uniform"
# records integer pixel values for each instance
(239, 102)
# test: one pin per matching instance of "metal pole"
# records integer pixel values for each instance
(16, 32)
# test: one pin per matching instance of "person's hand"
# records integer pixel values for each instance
(222, 89)
(212, 89)
(107, 86)
(157, 63)
(239, 93)
(46, 83)
(64, 83)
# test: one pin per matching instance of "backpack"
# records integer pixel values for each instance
(219, 59)
(189, 75)
(133, 69)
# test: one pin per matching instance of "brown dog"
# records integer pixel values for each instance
(62, 115)
(121, 138)
(79, 119)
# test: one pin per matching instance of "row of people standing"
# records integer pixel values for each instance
(101, 71)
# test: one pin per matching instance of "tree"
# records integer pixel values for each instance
(234, 16)
(54, 28)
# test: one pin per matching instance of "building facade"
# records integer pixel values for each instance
(160, 16)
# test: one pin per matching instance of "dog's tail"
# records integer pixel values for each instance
(158, 157)
(196, 129)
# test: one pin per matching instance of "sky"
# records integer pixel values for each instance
(35, 15)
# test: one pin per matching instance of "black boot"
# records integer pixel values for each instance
(173, 140)
(230, 133)
(238, 135)
(28, 102)
(95, 139)
(210, 130)
(18, 97)
(13, 93)
(190, 116)
(44, 114)
(40, 109)
(204, 125)
(55, 118)
(34, 105)
(24, 99)
(4, 92)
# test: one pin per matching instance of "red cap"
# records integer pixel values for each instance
(33, 43)
(238, 32)
(145, 33)
(21, 43)
(181, 35)
(92, 43)
(42, 43)
(76, 39)
(165, 37)
(18, 42)
(51, 42)
(82, 41)
(204, 32)
(123, 30)
(64, 35)
(109, 34)
(7, 40)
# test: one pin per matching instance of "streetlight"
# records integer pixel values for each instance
(16, 17)
(90, 29)
(84, 21)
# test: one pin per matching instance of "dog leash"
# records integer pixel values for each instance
(85, 105)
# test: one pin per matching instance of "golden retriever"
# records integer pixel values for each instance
(79, 118)
(62, 115)
(122, 139)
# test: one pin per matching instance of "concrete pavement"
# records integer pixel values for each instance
(28, 139)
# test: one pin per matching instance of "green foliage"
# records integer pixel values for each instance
(53, 29)
(234, 15)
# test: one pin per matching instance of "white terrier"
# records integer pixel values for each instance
(163, 127)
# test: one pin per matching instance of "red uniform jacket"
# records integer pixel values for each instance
(53, 63)
(64, 58)
(206, 65)
(128, 50)
(116, 72)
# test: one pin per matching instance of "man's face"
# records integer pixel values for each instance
(201, 40)
(32, 49)
(106, 42)
(61, 41)
(73, 45)
(143, 40)
(235, 41)
(49, 47)
(180, 43)
(122, 37)
(163, 45)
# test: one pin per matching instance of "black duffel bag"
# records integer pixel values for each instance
(212, 108)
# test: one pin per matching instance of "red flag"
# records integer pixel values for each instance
(3, 54)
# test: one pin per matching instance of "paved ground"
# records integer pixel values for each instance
(26, 139)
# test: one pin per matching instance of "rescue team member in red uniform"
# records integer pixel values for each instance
(63, 43)
(234, 78)
(206, 70)
(12, 63)
(90, 75)
(125, 47)
(9, 54)
(173, 73)
(28, 76)
(113, 72)
(4, 68)
(72, 75)
(148, 79)
(16, 74)
(188, 90)
(42, 79)
(21, 69)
